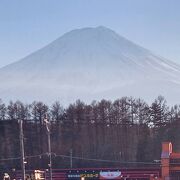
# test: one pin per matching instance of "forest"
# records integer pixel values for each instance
(120, 133)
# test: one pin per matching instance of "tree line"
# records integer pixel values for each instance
(123, 132)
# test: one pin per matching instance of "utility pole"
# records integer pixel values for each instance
(49, 145)
(21, 137)
(71, 162)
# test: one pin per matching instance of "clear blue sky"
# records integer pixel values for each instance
(26, 26)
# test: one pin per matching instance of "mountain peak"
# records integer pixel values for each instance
(87, 31)
(97, 28)
(89, 62)
(104, 28)
(92, 44)
(99, 31)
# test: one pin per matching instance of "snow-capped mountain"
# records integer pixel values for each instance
(88, 64)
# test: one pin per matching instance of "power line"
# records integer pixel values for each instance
(10, 159)
(105, 160)
(38, 155)
(87, 159)
(26, 157)
(80, 158)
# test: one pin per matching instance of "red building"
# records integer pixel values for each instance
(170, 163)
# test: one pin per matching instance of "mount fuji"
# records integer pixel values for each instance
(90, 64)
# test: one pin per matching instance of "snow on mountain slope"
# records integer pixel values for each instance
(87, 64)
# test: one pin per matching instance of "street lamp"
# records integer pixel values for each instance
(47, 123)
